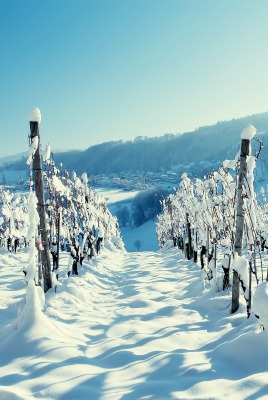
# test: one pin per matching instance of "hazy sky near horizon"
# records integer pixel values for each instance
(116, 69)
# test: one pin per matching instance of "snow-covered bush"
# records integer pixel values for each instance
(14, 217)
(82, 212)
(208, 208)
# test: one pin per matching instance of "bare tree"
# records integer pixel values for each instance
(137, 244)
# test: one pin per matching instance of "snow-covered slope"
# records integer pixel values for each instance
(12, 158)
(130, 326)
(145, 234)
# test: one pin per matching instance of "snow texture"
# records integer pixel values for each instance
(248, 132)
(47, 153)
(130, 326)
(35, 115)
(32, 150)
(229, 164)
(31, 236)
(241, 266)
(260, 303)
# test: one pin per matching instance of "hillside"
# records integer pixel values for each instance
(210, 144)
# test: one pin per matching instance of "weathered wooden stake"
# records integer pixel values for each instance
(39, 190)
(207, 246)
(184, 245)
(190, 249)
(39, 268)
(58, 241)
(245, 146)
(215, 262)
(249, 289)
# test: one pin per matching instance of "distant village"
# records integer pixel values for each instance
(19, 180)
(149, 180)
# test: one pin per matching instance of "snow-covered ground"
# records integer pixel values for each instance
(146, 233)
(130, 326)
(116, 195)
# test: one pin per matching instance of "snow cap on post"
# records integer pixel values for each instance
(35, 115)
(248, 132)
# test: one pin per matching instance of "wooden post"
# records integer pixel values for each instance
(215, 262)
(39, 268)
(184, 245)
(249, 290)
(190, 249)
(245, 146)
(58, 241)
(207, 245)
(39, 190)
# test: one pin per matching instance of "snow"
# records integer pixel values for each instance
(32, 150)
(241, 265)
(31, 236)
(47, 153)
(116, 198)
(59, 186)
(84, 178)
(100, 233)
(260, 302)
(144, 233)
(35, 115)
(116, 195)
(248, 132)
(129, 326)
(229, 164)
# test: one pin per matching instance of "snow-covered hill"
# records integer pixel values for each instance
(158, 161)
(130, 326)
(146, 233)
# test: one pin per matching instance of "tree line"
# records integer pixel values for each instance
(209, 143)
(145, 207)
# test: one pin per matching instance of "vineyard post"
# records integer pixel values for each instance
(39, 266)
(184, 245)
(207, 245)
(245, 146)
(215, 260)
(58, 241)
(190, 249)
(39, 190)
(249, 289)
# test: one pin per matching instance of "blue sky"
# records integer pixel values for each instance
(108, 70)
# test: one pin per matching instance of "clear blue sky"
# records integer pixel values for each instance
(107, 70)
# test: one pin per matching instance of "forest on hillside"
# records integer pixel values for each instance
(209, 143)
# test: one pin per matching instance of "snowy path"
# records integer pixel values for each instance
(130, 326)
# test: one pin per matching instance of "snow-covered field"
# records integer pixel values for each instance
(130, 326)
(146, 233)
(116, 195)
